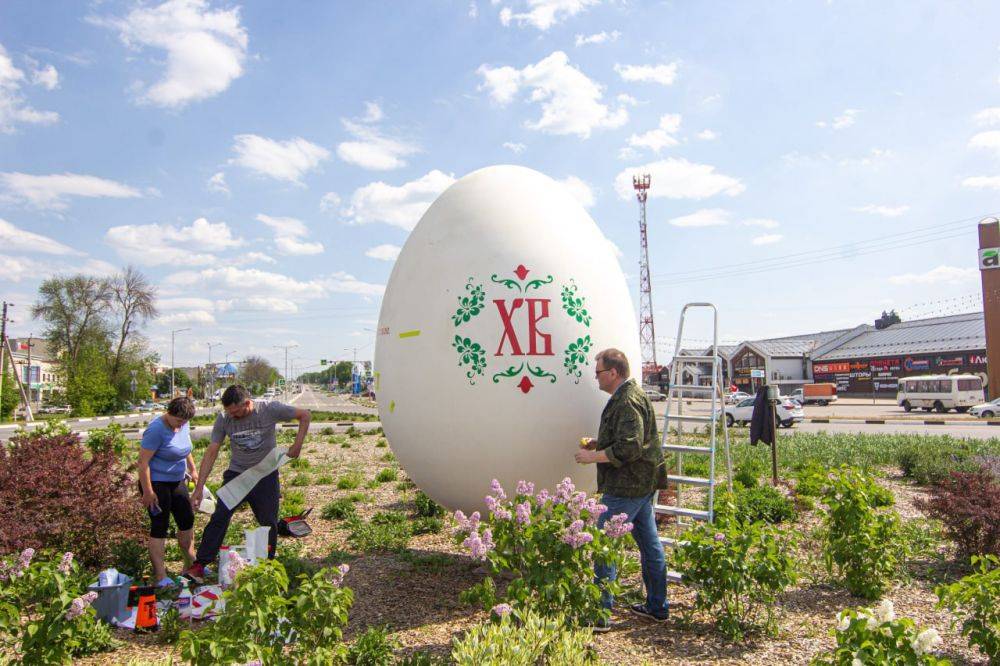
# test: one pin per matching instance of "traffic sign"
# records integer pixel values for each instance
(322, 361)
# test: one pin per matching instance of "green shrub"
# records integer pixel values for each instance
(372, 648)
(300, 463)
(171, 626)
(339, 509)
(738, 571)
(299, 480)
(261, 616)
(109, 440)
(405, 484)
(877, 636)
(749, 471)
(345, 445)
(968, 503)
(387, 474)
(927, 464)
(349, 481)
(421, 658)
(293, 502)
(387, 457)
(427, 525)
(200, 443)
(381, 444)
(426, 506)
(810, 479)
(324, 480)
(130, 558)
(975, 602)
(756, 504)
(523, 639)
(358, 497)
(327, 431)
(864, 546)
(379, 534)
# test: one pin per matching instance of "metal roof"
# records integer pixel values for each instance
(963, 332)
(794, 345)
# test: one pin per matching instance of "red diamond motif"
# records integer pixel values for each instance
(525, 384)
(521, 272)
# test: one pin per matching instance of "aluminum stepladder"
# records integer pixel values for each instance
(675, 418)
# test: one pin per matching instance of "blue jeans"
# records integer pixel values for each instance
(654, 565)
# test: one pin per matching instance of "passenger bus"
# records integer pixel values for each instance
(940, 392)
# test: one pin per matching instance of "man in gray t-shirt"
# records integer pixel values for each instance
(249, 424)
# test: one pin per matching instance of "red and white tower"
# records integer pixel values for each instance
(647, 335)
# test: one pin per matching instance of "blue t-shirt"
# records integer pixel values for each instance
(172, 449)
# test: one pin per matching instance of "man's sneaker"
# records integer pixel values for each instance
(640, 609)
(195, 573)
(601, 626)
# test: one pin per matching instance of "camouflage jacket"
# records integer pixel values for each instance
(628, 437)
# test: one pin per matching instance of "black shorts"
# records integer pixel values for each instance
(174, 500)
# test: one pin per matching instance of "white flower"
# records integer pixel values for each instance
(885, 612)
(926, 641)
(856, 662)
(844, 623)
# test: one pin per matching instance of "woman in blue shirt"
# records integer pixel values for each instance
(164, 459)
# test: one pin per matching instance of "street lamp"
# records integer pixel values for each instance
(172, 334)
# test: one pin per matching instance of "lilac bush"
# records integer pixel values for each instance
(549, 543)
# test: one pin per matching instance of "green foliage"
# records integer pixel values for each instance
(300, 480)
(387, 474)
(810, 479)
(261, 616)
(372, 648)
(427, 525)
(926, 464)
(171, 626)
(421, 658)
(327, 431)
(877, 636)
(297, 567)
(130, 558)
(975, 602)
(738, 571)
(384, 532)
(349, 481)
(524, 639)
(339, 509)
(381, 444)
(358, 497)
(36, 622)
(755, 504)
(300, 463)
(426, 506)
(293, 502)
(88, 388)
(387, 457)
(109, 440)
(10, 397)
(324, 480)
(863, 545)
(749, 471)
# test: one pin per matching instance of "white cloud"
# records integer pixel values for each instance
(982, 182)
(843, 121)
(372, 150)
(344, 283)
(626, 100)
(579, 190)
(384, 252)
(183, 303)
(203, 317)
(205, 50)
(763, 222)
(252, 258)
(706, 217)
(14, 109)
(570, 101)
(884, 211)
(47, 77)
(373, 112)
(400, 206)
(986, 140)
(329, 202)
(767, 239)
(15, 239)
(283, 160)
(940, 275)
(217, 183)
(676, 178)
(230, 280)
(289, 235)
(663, 74)
(543, 14)
(516, 148)
(707, 135)
(662, 137)
(599, 38)
(987, 117)
(15, 269)
(258, 304)
(473, 10)
(162, 244)
(50, 192)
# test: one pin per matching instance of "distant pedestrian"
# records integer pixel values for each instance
(630, 470)
(164, 459)
(250, 426)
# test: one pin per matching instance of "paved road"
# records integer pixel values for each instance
(312, 398)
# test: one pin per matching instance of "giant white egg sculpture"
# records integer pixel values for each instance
(484, 357)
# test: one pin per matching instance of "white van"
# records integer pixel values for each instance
(940, 392)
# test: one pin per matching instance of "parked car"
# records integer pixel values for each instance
(654, 395)
(55, 409)
(987, 410)
(737, 397)
(148, 406)
(789, 413)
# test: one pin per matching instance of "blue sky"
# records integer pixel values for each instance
(813, 163)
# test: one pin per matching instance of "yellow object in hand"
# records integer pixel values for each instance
(191, 486)
(583, 442)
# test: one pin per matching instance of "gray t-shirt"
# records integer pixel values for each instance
(251, 437)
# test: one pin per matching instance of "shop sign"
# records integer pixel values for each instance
(976, 359)
(886, 364)
(949, 362)
(830, 368)
(989, 257)
(758, 374)
(916, 364)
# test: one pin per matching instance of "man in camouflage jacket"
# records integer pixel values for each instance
(630, 470)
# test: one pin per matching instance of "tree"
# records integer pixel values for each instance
(11, 396)
(73, 309)
(89, 389)
(256, 373)
(133, 300)
(344, 371)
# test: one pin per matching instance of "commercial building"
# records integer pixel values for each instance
(37, 369)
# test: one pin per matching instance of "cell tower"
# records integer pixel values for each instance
(647, 335)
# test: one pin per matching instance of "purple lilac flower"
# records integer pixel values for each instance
(523, 513)
(720, 537)
(339, 574)
(24, 560)
(478, 545)
(80, 604)
(491, 503)
(501, 610)
(618, 526)
(574, 536)
(543, 496)
(234, 565)
(502, 514)
(525, 488)
(498, 490)
(564, 490)
(466, 525)
(66, 563)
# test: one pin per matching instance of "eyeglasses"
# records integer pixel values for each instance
(598, 373)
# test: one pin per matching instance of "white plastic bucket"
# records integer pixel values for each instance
(207, 502)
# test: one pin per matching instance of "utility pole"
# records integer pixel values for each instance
(211, 370)
(172, 334)
(30, 345)
(284, 392)
(647, 334)
(3, 340)
(27, 405)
